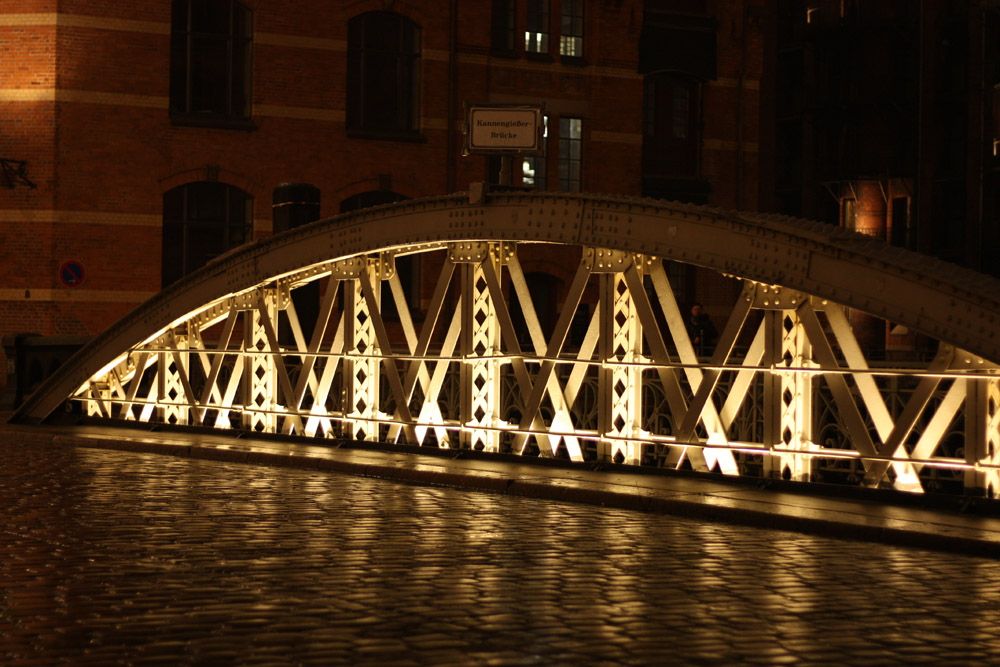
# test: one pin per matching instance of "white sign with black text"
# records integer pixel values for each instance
(493, 129)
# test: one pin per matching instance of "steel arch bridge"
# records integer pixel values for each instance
(787, 390)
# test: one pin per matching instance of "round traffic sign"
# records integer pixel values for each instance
(71, 273)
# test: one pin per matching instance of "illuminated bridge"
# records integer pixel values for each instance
(611, 374)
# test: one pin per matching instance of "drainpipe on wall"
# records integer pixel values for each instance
(984, 94)
(452, 94)
(739, 111)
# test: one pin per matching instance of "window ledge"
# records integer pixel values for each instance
(509, 54)
(576, 61)
(386, 135)
(541, 57)
(218, 122)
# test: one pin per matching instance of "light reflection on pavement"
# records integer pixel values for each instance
(111, 557)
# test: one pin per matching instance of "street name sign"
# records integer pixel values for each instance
(498, 128)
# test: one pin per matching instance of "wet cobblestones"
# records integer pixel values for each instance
(109, 557)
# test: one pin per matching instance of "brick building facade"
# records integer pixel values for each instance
(887, 121)
(155, 132)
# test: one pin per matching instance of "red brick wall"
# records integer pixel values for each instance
(103, 149)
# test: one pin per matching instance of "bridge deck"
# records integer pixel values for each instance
(925, 521)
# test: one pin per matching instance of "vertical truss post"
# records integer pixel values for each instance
(898, 422)
(772, 391)
(480, 341)
(788, 393)
(361, 366)
(620, 384)
(982, 436)
(795, 397)
(170, 366)
(260, 387)
(134, 370)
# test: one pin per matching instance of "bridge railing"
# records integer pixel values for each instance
(787, 391)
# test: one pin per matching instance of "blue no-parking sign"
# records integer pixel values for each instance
(71, 273)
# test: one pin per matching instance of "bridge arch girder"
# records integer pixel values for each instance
(812, 260)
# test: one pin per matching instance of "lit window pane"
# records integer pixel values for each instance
(533, 172)
(536, 35)
(571, 29)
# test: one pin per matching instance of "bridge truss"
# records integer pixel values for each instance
(786, 391)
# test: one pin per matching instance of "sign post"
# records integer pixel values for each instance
(505, 130)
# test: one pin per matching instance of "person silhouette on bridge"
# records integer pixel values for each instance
(703, 333)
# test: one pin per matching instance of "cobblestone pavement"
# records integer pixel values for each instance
(111, 557)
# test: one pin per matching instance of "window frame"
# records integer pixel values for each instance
(537, 30)
(409, 267)
(538, 162)
(575, 33)
(358, 122)
(503, 29)
(566, 159)
(181, 94)
(673, 132)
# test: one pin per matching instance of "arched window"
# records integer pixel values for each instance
(201, 221)
(670, 127)
(383, 74)
(211, 45)
(408, 267)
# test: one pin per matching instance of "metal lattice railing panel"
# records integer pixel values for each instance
(798, 394)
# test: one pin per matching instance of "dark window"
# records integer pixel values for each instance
(533, 172)
(678, 37)
(383, 73)
(685, 6)
(211, 44)
(994, 126)
(570, 153)
(788, 155)
(681, 112)
(494, 165)
(571, 32)
(670, 141)
(949, 209)
(900, 221)
(200, 222)
(536, 34)
(681, 280)
(408, 267)
(503, 26)
(544, 291)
